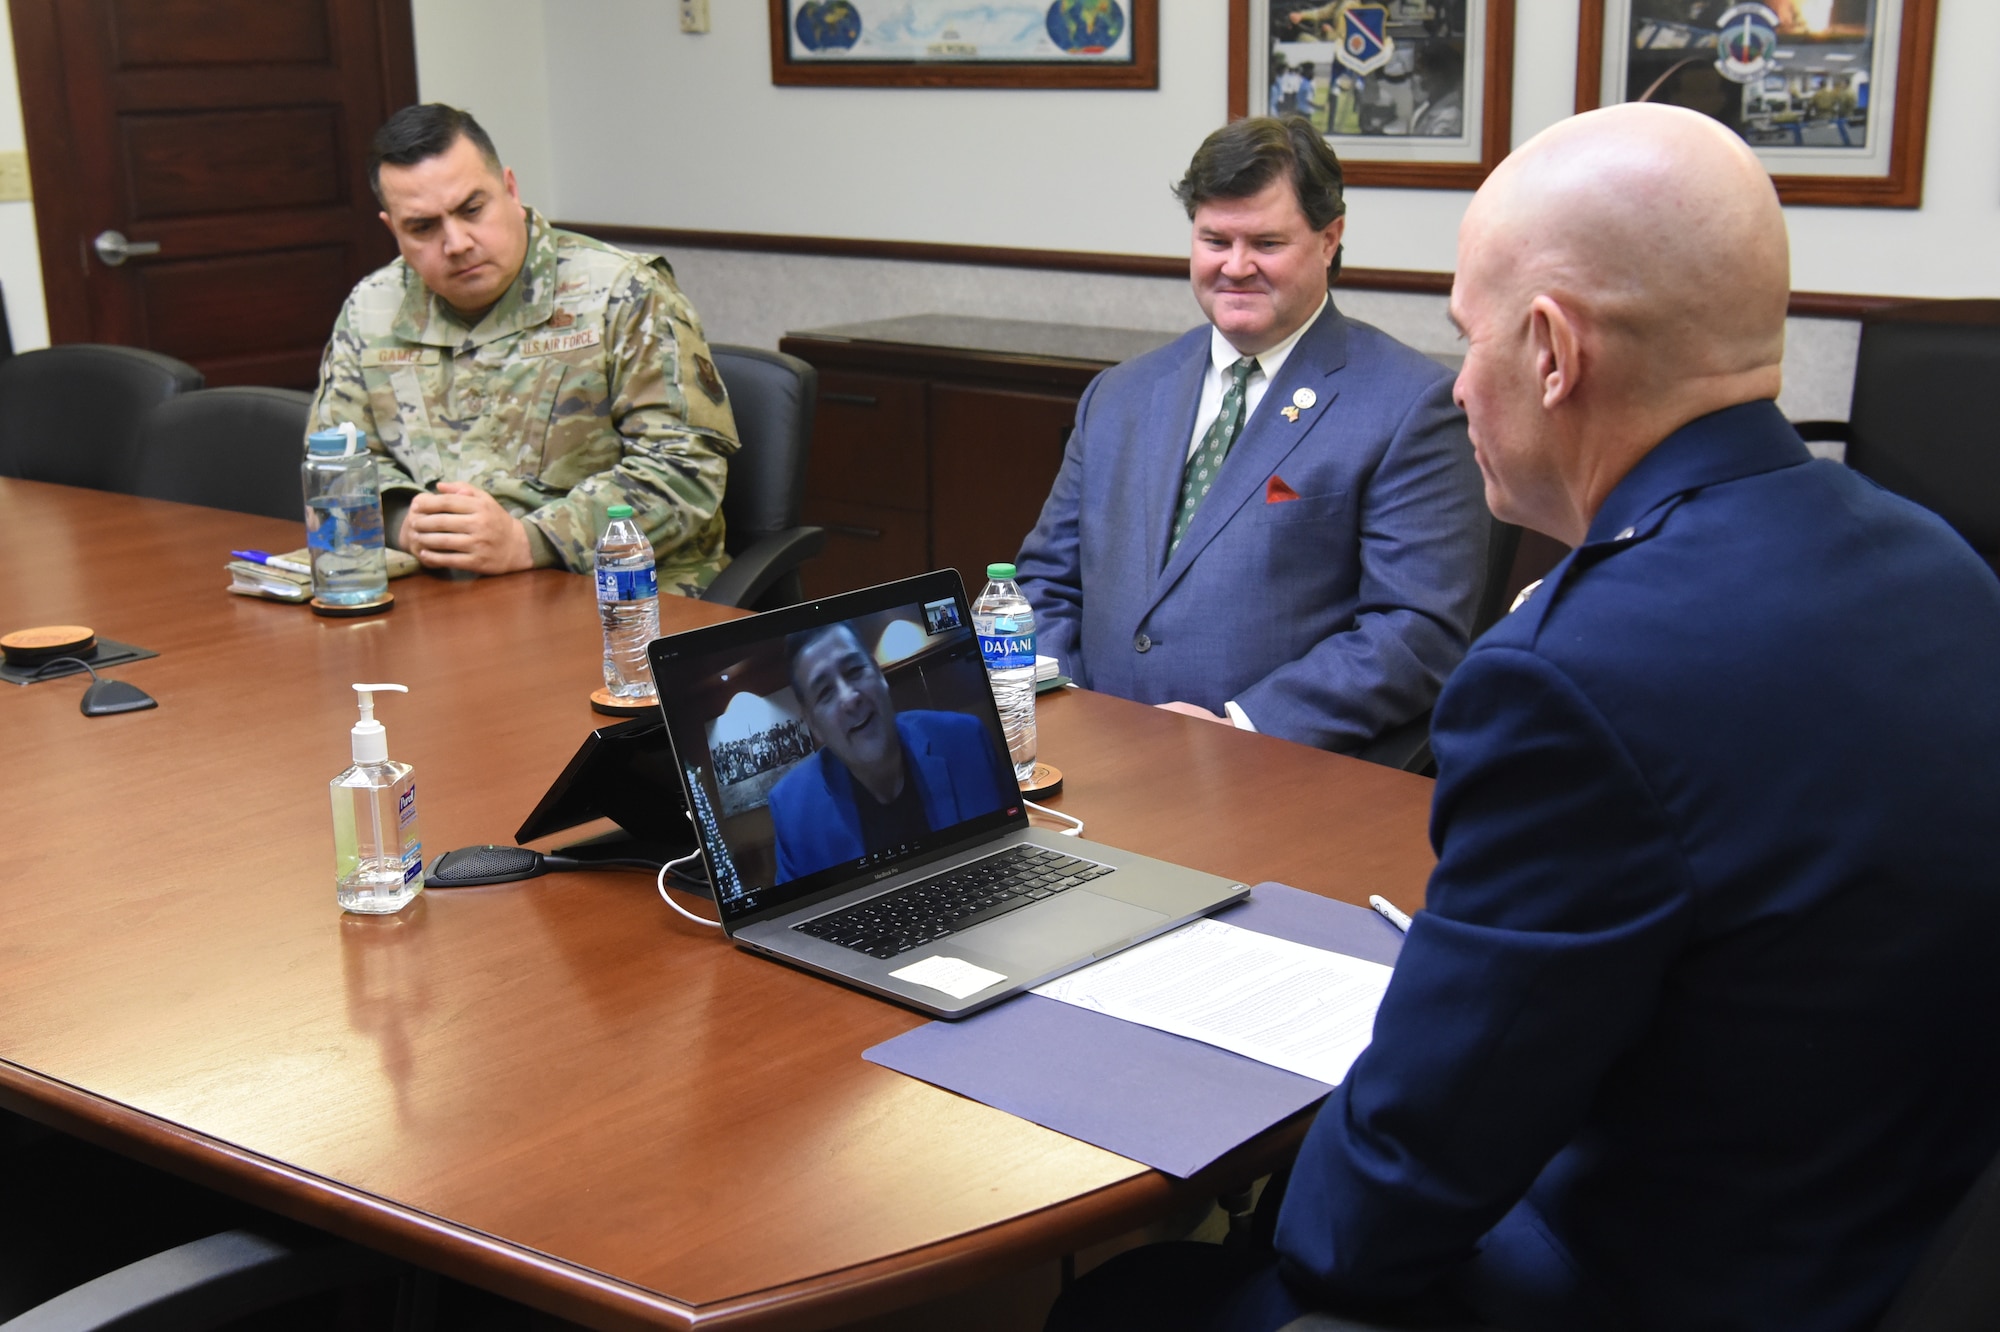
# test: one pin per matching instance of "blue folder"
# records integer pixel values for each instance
(1159, 1099)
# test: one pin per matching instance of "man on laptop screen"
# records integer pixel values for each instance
(883, 778)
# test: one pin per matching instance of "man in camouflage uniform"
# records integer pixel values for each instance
(516, 380)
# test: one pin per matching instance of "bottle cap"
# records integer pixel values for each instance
(999, 571)
(371, 740)
(617, 511)
(346, 439)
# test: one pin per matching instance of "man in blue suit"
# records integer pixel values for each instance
(1698, 1027)
(881, 778)
(1277, 516)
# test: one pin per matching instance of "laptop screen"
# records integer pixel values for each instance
(842, 738)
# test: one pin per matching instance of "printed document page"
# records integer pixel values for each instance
(1278, 1002)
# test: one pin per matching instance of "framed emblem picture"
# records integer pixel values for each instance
(1414, 93)
(1832, 94)
(961, 44)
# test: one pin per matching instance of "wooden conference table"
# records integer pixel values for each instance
(555, 1089)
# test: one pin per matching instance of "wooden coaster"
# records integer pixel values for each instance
(1046, 781)
(32, 647)
(388, 602)
(602, 701)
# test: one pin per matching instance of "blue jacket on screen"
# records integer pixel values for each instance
(812, 806)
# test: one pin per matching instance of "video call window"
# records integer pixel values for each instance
(862, 742)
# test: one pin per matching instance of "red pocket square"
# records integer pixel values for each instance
(1277, 492)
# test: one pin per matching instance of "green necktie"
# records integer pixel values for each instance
(1206, 460)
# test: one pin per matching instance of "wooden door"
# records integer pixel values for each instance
(232, 135)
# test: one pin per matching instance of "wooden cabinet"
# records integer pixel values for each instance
(936, 438)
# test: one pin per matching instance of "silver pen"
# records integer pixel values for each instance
(1389, 912)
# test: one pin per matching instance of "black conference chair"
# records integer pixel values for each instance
(72, 414)
(1956, 1286)
(227, 448)
(6, 330)
(224, 1279)
(1922, 423)
(772, 395)
(93, 1242)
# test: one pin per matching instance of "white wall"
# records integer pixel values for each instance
(485, 56)
(687, 131)
(20, 255)
(653, 126)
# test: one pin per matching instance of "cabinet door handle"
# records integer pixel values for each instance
(858, 399)
(845, 529)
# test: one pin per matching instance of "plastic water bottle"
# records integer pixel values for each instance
(628, 601)
(1006, 626)
(344, 519)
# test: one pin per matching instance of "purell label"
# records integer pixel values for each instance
(413, 861)
(406, 806)
(1004, 650)
(627, 584)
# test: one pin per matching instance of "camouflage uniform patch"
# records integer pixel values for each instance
(568, 396)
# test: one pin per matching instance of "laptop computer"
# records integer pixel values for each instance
(849, 781)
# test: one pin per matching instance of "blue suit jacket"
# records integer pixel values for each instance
(1701, 1025)
(1329, 618)
(812, 806)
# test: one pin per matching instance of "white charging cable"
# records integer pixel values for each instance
(1077, 831)
(661, 881)
(661, 884)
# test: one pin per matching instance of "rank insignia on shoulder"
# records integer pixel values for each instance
(711, 381)
(561, 319)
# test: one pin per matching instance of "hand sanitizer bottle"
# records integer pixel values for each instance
(378, 856)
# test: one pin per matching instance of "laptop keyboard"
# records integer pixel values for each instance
(969, 895)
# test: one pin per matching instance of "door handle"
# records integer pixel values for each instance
(114, 249)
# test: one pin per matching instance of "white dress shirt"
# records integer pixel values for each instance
(1216, 382)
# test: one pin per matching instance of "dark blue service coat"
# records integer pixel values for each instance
(1701, 1025)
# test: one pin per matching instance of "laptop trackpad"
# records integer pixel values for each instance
(1058, 930)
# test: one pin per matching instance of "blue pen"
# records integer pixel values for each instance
(260, 557)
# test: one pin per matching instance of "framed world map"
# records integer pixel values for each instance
(966, 43)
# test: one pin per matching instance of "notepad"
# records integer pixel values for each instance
(1286, 1004)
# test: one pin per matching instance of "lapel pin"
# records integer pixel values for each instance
(1291, 413)
(1304, 398)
